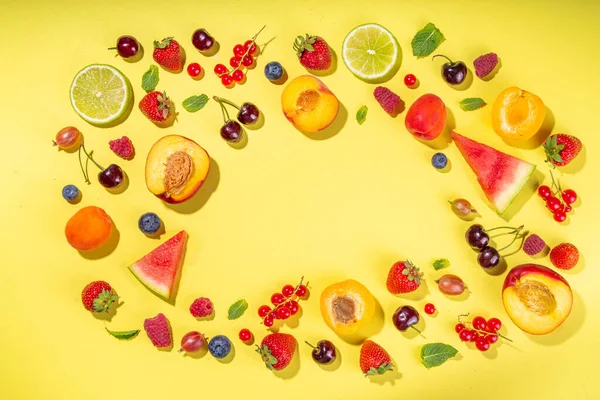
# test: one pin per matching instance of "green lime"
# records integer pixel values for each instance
(371, 52)
(100, 94)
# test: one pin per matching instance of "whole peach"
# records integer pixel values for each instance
(89, 228)
(426, 117)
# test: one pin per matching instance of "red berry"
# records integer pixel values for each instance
(482, 344)
(268, 322)
(293, 306)
(544, 192)
(277, 298)
(245, 335)
(474, 336)
(560, 216)
(235, 61)
(459, 328)
(283, 313)
(226, 80)
(194, 70)
(253, 47)
(273, 314)
(301, 291)
(263, 311)
(287, 290)
(429, 308)
(410, 80)
(238, 75)
(569, 196)
(568, 208)
(493, 325)
(239, 50)
(465, 335)
(247, 61)
(479, 323)
(491, 338)
(553, 203)
(220, 69)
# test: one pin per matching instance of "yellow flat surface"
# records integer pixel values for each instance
(285, 205)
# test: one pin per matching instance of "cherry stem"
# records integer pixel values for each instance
(311, 345)
(441, 55)
(500, 227)
(516, 233)
(220, 99)
(492, 333)
(412, 326)
(89, 156)
(226, 117)
(554, 184)
(87, 180)
(112, 48)
(520, 246)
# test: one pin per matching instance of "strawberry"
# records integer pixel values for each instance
(277, 350)
(313, 52)
(156, 106)
(98, 296)
(561, 149)
(403, 277)
(374, 360)
(168, 54)
(564, 256)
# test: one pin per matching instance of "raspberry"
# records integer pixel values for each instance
(534, 245)
(387, 99)
(485, 64)
(122, 147)
(159, 331)
(201, 307)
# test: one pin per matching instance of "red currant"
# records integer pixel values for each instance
(459, 328)
(301, 291)
(568, 208)
(544, 192)
(268, 322)
(238, 75)
(293, 306)
(247, 61)
(429, 308)
(560, 216)
(569, 196)
(245, 335)
(287, 290)
(553, 203)
(263, 311)
(491, 338)
(465, 335)
(410, 80)
(277, 298)
(493, 325)
(252, 46)
(239, 50)
(283, 313)
(479, 323)
(220, 69)
(235, 61)
(273, 314)
(226, 80)
(194, 70)
(482, 344)
(474, 336)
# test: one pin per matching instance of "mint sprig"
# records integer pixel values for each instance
(472, 104)
(124, 335)
(426, 41)
(435, 354)
(441, 263)
(361, 114)
(237, 309)
(195, 103)
(150, 79)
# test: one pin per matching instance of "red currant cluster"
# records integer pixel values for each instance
(243, 57)
(483, 333)
(559, 206)
(285, 304)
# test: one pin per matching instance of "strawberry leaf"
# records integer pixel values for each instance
(441, 263)
(150, 79)
(435, 354)
(237, 309)
(361, 115)
(123, 335)
(426, 40)
(471, 103)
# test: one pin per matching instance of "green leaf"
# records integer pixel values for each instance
(237, 309)
(435, 354)
(361, 114)
(441, 263)
(123, 335)
(150, 79)
(471, 103)
(426, 40)
(195, 103)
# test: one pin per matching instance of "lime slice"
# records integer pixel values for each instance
(371, 52)
(100, 94)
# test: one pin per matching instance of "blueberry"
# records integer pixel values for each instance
(149, 223)
(70, 193)
(439, 160)
(219, 346)
(273, 71)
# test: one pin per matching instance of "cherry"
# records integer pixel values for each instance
(248, 113)
(220, 69)
(238, 75)
(482, 344)
(410, 80)
(301, 291)
(405, 317)
(493, 325)
(194, 70)
(239, 50)
(429, 309)
(459, 328)
(479, 323)
(323, 352)
(263, 311)
(111, 177)
(544, 192)
(202, 40)
(293, 306)
(268, 322)
(283, 312)
(245, 335)
(477, 237)
(231, 131)
(277, 298)
(127, 46)
(560, 216)
(569, 196)
(453, 73)
(488, 257)
(553, 203)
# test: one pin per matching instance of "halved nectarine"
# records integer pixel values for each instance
(536, 298)
(347, 307)
(308, 104)
(517, 114)
(176, 167)
(89, 228)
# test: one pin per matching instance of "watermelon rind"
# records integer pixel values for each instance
(524, 172)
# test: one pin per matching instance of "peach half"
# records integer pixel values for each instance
(176, 167)
(347, 307)
(308, 104)
(536, 298)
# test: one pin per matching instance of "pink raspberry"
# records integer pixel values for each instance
(485, 64)
(159, 331)
(533, 245)
(387, 99)
(122, 147)
(201, 307)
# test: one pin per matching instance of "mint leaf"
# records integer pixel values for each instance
(471, 103)
(123, 335)
(435, 354)
(361, 115)
(441, 263)
(237, 309)
(426, 40)
(150, 79)
(195, 103)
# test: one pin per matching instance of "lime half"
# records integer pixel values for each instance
(100, 94)
(371, 52)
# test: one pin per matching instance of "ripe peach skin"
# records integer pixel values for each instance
(426, 117)
(308, 104)
(89, 228)
(156, 163)
(536, 298)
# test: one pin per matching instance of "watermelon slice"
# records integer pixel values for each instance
(159, 269)
(500, 175)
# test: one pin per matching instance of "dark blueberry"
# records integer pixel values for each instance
(70, 193)
(273, 71)
(219, 346)
(149, 223)
(439, 161)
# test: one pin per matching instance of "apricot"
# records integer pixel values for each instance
(89, 228)
(308, 104)
(517, 114)
(347, 307)
(426, 117)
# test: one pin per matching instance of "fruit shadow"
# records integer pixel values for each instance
(494, 72)
(210, 317)
(335, 364)
(416, 295)
(459, 297)
(212, 51)
(105, 249)
(466, 84)
(333, 129)
(240, 144)
(122, 187)
(137, 57)
(569, 327)
(260, 122)
(415, 330)
(229, 358)
(389, 377)
(498, 269)
(372, 329)
(332, 68)
(528, 190)
(291, 370)
(282, 80)
(198, 354)
(112, 311)
(201, 197)
(442, 141)
(577, 164)
(539, 138)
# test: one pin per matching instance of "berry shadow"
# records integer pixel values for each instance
(210, 317)
(230, 356)
(294, 320)
(112, 311)
(494, 72)
(260, 122)
(336, 126)
(137, 57)
(281, 80)
(332, 68)
(212, 51)
(106, 248)
(122, 187)
(539, 138)
(156, 235)
(199, 199)
(569, 327)
(242, 143)
(579, 267)
(292, 369)
(528, 190)
(466, 84)
(498, 269)
(442, 141)
(196, 355)
(335, 364)
(389, 377)
(412, 333)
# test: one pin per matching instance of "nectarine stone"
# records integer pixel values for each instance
(347, 307)
(89, 228)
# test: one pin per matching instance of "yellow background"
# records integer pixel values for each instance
(286, 205)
